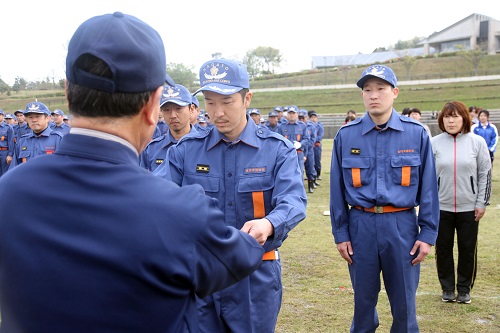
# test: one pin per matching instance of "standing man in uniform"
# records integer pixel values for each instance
(296, 132)
(254, 175)
(6, 144)
(383, 167)
(59, 124)
(21, 127)
(177, 108)
(41, 140)
(272, 121)
(318, 149)
(309, 162)
(131, 250)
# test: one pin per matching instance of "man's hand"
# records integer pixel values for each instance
(259, 229)
(424, 250)
(8, 159)
(345, 250)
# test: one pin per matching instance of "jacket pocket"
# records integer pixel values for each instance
(255, 194)
(405, 169)
(356, 170)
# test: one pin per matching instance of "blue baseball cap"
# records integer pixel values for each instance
(380, 71)
(312, 113)
(1, 112)
(278, 109)
(196, 101)
(254, 111)
(223, 76)
(273, 114)
(201, 119)
(9, 116)
(18, 111)
(177, 94)
(37, 107)
(132, 49)
(59, 112)
(292, 108)
(302, 113)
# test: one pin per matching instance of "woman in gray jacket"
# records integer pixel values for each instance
(463, 170)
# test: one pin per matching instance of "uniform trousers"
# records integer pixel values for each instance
(382, 243)
(251, 305)
(317, 157)
(467, 230)
(309, 165)
(4, 167)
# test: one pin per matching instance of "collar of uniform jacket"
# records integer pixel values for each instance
(394, 122)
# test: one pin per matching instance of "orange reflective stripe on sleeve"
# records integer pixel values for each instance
(356, 177)
(24, 160)
(298, 137)
(405, 176)
(258, 205)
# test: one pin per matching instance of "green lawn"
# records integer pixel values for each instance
(317, 293)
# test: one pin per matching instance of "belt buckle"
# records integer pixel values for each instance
(378, 209)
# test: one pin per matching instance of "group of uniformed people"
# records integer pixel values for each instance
(304, 130)
(29, 133)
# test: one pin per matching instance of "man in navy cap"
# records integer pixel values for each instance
(255, 115)
(41, 140)
(124, 250)
(6, 144)
(296, 132)
(272, 120)
(177, 108)
(254, 175)
(59, 125)
(21, 127)
(382, 168)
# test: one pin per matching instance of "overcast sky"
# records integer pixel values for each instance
(35, 34)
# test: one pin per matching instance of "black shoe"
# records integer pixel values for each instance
(310, 186)
(316, 183)
(448, 296)
(463, 298)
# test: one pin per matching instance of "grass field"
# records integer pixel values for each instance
(317, 293)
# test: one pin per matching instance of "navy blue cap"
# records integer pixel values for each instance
(278, 108)
(9, 116)
(273, 114)
(312, 113)
(1, 112)
(254, 111)
(37, 107)
(201, 119)
(18, 111)
(59, 112)
(177, 94)
(292, 108)
(132, 49)
(303, 113)
(380, 71)
(223, 76)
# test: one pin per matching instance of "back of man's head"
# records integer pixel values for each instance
(114, 63)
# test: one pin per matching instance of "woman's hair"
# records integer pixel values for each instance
(459, 109)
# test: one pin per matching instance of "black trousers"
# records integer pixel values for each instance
(466, 229)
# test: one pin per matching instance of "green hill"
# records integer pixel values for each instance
(330, 101)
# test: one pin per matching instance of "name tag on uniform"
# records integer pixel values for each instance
(355, 151)
(159, 161)
(203, 168)
(255, 170)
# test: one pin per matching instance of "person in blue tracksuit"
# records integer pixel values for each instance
(488, 131)
(41, 140)
(125, 251)
(318, 148)
(7, 137)
(296, 132)
(384, 167)
(176, 106)
(254, 175)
